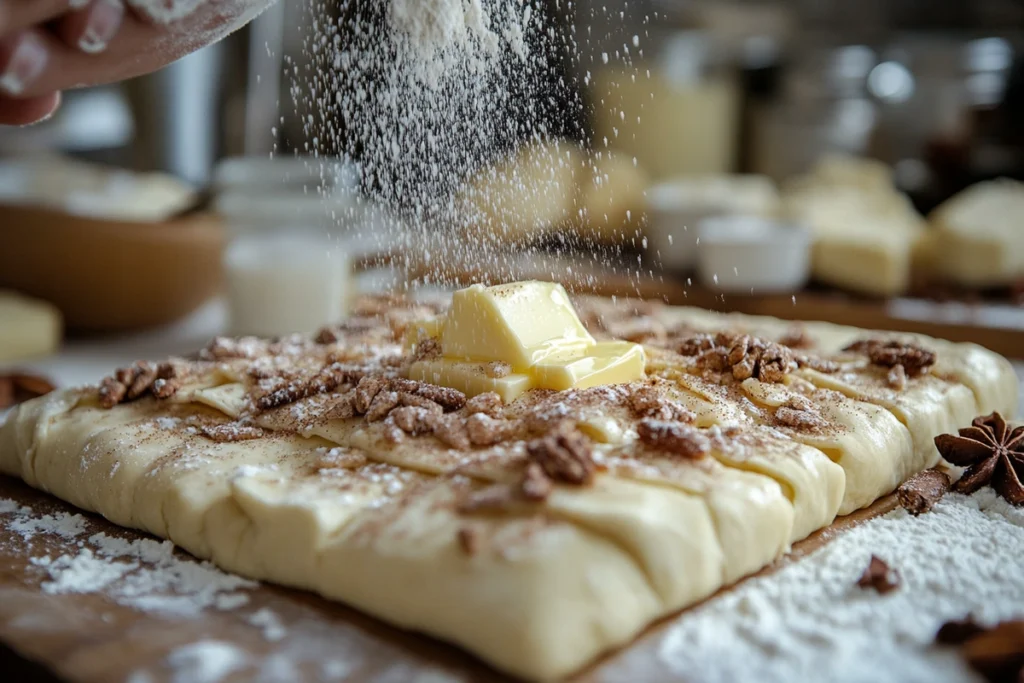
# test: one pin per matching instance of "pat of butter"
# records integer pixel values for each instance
(532, 327)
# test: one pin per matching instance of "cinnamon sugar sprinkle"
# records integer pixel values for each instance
(354, 375)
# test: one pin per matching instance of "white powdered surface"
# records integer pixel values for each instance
(207, 661)
(806, 621)
(809, 621)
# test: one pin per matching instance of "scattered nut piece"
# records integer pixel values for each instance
(673, 437)
(880, 576)
(489, 404)
(920, 493)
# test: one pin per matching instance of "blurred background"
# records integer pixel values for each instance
(825, 159)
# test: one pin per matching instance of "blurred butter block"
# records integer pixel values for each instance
(28, 327)
(528, 195)
(612, 199)
(979, 235)
(675, 207)
(868, 238)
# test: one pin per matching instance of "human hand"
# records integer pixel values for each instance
(47, 46)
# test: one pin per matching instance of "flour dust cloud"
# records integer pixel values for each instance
(466, 120)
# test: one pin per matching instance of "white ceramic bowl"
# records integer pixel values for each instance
(752, 255)
(676, 207)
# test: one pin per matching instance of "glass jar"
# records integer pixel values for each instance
(287, 266)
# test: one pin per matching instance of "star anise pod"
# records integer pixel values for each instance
(992, 454)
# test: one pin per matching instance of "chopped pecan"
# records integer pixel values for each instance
(646, 402)
(449, 399)
(919, 494)
(145, 375)
(880, 576)
(696, 345)
(413, 420)
(822, 365)
(415, 401)
(225, 348)
(804, 420)
(484, 430)
(231, 432)
(383, 403)
(565, 456)
(535, 485)
(673, 437)
(916, 360)
(339, 459)
(451, 431)
(127, 384)
(111, 392)
(367, 390)
(489, 404)
(776, 362)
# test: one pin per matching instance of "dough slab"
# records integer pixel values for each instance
(439, 535)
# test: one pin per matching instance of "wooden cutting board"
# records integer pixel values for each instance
(91, 638)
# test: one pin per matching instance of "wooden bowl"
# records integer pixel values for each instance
(108, 276)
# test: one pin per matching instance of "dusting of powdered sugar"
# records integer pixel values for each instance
(207, 661)
(267, 621)
(143, 574)
(809, 621)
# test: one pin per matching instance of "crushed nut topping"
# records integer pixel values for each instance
(880, 576)
(565, 456)
(916, 361)
(798, 418)
(17, 388)
(488, 404)
(920, 493)
(646, 402)
(743, 355)
(381, 406)
(136, 381)
(673, 437)
(288, 389)
(822, 365)
(485, 431)
(232, 432)
(415, 420)
(535, 485)
(451, 431)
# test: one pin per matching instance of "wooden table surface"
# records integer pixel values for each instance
(91, 637)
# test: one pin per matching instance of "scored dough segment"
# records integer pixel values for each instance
(537, 587)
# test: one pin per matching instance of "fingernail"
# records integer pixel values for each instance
(104, 21)
(48, 116)
(27, 62)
